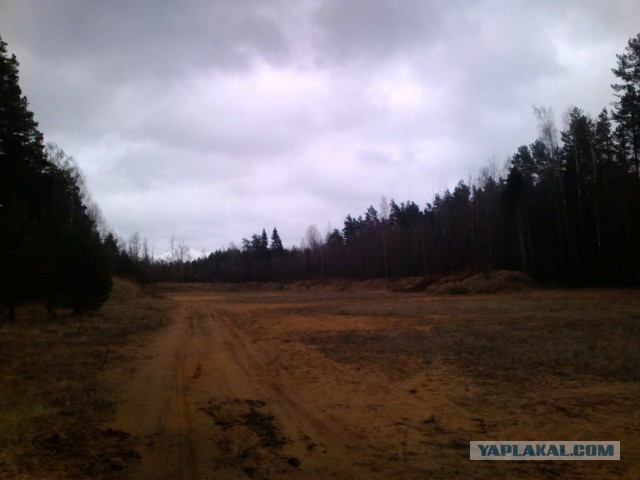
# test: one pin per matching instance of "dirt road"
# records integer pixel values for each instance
(312, 385)
(208, 404)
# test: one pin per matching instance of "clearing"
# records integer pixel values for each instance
(373, 384)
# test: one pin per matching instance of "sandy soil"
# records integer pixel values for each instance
(344, 385)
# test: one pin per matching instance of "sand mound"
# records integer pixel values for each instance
(124, 289)
(488, 282)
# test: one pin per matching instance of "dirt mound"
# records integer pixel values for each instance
(330, 284)
(412, 284)
(125, 289)
(488, 282)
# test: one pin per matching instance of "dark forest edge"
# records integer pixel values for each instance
(50, 246)
(566, 211)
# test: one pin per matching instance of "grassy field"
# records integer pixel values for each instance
(57, 390)
(508, 340)
(393, 385)
(412, 378)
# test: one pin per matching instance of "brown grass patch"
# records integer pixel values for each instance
(505, 340)
(55, 390)
(411, 379)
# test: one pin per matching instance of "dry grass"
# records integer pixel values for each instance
(502, 338)
(420, 375)
(539, 364)
(55, 389)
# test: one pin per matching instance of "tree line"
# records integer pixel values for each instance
(565, 210)
(50, 246)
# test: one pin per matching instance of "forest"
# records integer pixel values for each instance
(565, 210)
(50, 247)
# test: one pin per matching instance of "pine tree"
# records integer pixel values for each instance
(264, 243)
(22, 188)
(80, 278)
(276, 246)
(49, 245)
(603, 140)
(627, 108)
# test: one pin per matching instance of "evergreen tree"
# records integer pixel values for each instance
(80, 278)
(276, 246)
(603, 140)
(22, 189)
(264, 244)
(49, 245)
(518, 189)
(627, 108)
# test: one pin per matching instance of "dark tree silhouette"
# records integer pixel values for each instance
(50, 248)
(276, 246)
(627, 108)
(23, 188)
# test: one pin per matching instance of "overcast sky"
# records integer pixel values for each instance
(210, 120)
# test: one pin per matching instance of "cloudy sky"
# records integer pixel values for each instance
(210, 120)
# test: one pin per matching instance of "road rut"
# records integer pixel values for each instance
(189, 402)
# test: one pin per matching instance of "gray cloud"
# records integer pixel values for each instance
(374, 30)
(151, 38)
(211, 120)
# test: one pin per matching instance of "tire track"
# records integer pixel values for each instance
(203, 357)
(294, 415)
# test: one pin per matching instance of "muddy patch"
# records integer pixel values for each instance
(248, 438)
(102, 453)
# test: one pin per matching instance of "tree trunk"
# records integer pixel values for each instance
(49, 304)
(522, 244)
(634, 260)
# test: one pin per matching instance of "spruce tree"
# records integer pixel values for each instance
(80, 277)
(49, 246)
(276, 243)
(627, 108)
(23, 186)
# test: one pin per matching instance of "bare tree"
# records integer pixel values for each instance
(147, 252)
(184, 252)
(95, 214)
(547, 130)
(314, 244)
(384, 208)
(67, 166)
(384, 216)
(548, 135)
(173, 249)
(313, 237)
(180, 253)
(133, 248)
